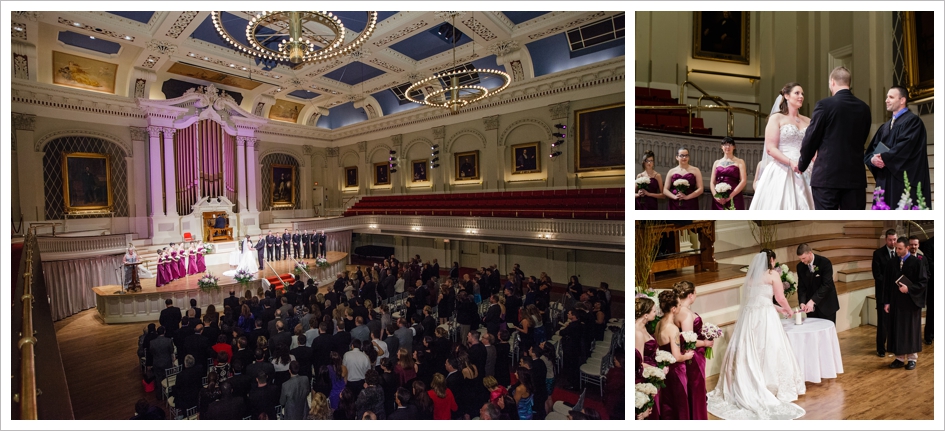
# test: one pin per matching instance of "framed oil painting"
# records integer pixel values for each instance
(721, 36)
(351, 176)
(600, 138)
(467, 165)
(382, 174)
(918, 41)
(525, 159)
(419, 170)
(79, 72)
(213, 76)
(285, 110)
(282, 189)
(88, 182)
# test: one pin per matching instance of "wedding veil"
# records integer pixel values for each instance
(754, 282)
(765, 158)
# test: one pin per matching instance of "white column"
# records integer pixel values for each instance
(155, 170)
(241, 173)
(170, 176)
(252, 166)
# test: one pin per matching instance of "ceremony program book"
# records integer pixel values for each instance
(905, 280)
(880, 148)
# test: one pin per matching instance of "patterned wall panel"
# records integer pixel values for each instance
(266, 177)
(52, 173)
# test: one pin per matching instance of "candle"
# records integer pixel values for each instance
(797, 317)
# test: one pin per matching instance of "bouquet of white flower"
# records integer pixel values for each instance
(642, 182)
(723, 191)
(788, 278)
(690, 339)
(682, 186)
(655, 376)
(642, 402)
(664, 358)
(646, 388)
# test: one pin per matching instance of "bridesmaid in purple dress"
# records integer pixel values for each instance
(181, 260)
(646, 348)
(160, 278)
(688, 320)
(677, 199)
(729, 170)
(674, 398)
(192, 259)
(172, 263)
(201, 263)
(647, 199)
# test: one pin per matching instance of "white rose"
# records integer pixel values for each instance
(646, 388)
(664, 356)
(641, 400)
(722, 188)
(690, 336)
(791, 277)
(784, 268)
(643, 181)
(649, 372)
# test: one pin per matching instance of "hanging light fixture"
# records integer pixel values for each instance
(453, 95)
(299, 37)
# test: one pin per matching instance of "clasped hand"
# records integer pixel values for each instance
(794, 167)
(903, 288)
(877, 161)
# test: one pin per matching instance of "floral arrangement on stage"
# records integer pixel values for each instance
(788, 278)
(682, 186)
(689, 341)
(321, 262)
(710, 331)
(723, 191)
(644, 397)
(299, 268)
(905, 201)
(209, 283)
(664, 359)
(243, 277)
(655, 376)
(208, 248)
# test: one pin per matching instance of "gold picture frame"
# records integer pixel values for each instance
(525, 158)
(722, 36)
(282, 188)
(600, 138)
(382, 174)
(286, 111)
(919, 67)
(466, 165)
(87, 182)
(74, 71)
(351, 176)
(421, 173)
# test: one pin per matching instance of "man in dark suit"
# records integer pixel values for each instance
(316, 244)
(904, 301)
(241, 381)
(220, 222)
(270, 244)
(260, 245)
(264, 397)
(296, 245)
(321, 243)
(404, 411)
(170, 318)
(928, 247)
(493, 316)
(277, 244)
(228, 407)
(197, 346)
(162, 353)
(816, 293)
(243, 353)
(306, 244)
(189, 382)
(286, 238)
(261, 365)
(232, 301)
(881, 257)
(303, 354)
(456, 384)
(838, 128)
(321, 348)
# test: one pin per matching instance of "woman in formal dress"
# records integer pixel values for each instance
(674, 398)
(729, 170)
(161, 272)
(688, 320)
(338, 375)
(201, 263)
(247, 260)
(647, 198)
(181, 260)
(192, 259)
(171, 263)
(780, 186)
(683, 171)
(760, 377)
(645, 350)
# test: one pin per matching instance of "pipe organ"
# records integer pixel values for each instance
(205, 162)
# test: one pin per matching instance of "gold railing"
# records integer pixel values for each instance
(27, 395)
(721, 105)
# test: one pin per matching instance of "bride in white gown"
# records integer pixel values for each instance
(247, 260)
(779, 186)
(760, 377)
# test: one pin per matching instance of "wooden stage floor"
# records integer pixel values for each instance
(868, 390)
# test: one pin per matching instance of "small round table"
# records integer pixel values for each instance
(816, 348)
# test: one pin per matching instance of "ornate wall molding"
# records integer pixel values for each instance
(18, 30)
(346, 154)
(397, 139)
(417, 141)
(439, 132)
(490, 123)
(457, 135)
(161, 46)
(140, 134)
(564, 27)
(480, 30)
(378, 62)
(154, 131)
(24, 122)
(387, 40)
(283, 150)
(41, 142)
(362, 146)
(559, 110)
(504, 47)
(524, 122)
(183, 20)
(54, 96)
(331, 152)
(98, 30)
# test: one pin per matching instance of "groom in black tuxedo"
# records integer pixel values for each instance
(881, 257)
(838, 130)
(260, 248)
(816, 292)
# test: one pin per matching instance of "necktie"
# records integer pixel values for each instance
(891, 254)
(893, 121)
(811, 267)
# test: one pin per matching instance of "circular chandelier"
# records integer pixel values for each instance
(299, 37)
(452, 94)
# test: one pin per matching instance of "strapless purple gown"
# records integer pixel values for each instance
(649, 358)
(201, 263)
(646, 202)
(674, 400)
(691, 204)
(161, 277)
(172, 267)
(730, 175)
(695, 373)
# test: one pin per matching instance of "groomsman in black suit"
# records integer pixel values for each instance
(881, 257)
(924, 251)
(270, 243)
(838, 129)
(321, 244)
(260, 244)
(316, 243)
(285, 244)
(277, 243)
(816, 292)
(296, 245)
(306, 244)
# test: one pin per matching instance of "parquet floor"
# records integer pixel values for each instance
(867, 389)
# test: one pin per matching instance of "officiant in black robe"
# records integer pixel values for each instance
(905, 137)
(904, 303)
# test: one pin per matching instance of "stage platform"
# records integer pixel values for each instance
(146, 305)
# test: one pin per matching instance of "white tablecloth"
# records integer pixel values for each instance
(816, 348)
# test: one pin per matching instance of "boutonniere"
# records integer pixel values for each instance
(816, 268)
(919, 256)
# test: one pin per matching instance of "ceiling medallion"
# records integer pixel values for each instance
(299, 37)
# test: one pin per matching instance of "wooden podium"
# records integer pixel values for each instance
(135, 285)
